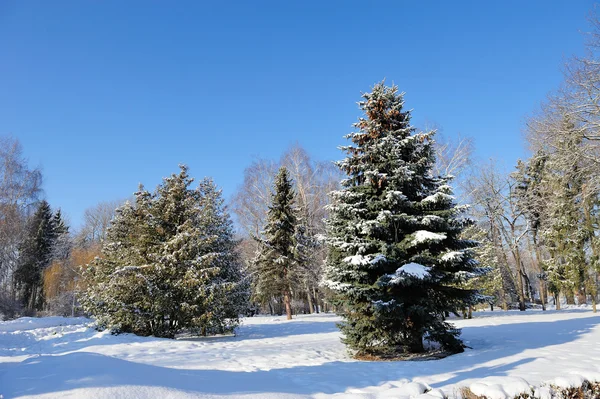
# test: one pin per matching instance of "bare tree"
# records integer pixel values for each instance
(20, 188)
(250, 202)
(96, 221)
(493, 195)
(453, 156)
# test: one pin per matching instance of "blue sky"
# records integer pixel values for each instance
(106, 94)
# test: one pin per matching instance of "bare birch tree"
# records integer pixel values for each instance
(20, 187)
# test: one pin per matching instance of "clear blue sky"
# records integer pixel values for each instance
(106, 94)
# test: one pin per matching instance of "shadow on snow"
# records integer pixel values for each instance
(55, 373)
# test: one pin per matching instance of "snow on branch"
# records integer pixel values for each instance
(422, 236)
(413, 270)
(438, 197)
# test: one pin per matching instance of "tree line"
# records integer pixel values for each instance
(542, 218)
(384, 236)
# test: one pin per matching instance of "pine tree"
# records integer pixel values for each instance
(396, 259)
(35, 255)
(62, 242)
(276, 263)
(563, 232)
(168, 264)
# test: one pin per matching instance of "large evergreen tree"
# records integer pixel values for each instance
(276, 262)
(168, 264)
(397, 262)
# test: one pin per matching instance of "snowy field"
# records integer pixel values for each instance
(274, 358)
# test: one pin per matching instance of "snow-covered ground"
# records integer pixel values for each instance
(274, 358)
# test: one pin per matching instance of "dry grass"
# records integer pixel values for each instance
(588, 390)
(465, 393)
(436, 355)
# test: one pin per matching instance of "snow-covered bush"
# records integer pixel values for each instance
(168, 264)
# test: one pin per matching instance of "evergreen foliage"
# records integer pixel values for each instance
(563, 233)
(490, 284)
(169, 264)
(35, 255)
(396, 259)
(45, 238)
(276, 263)
(531, 194)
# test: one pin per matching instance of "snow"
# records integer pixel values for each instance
(303, 358)
(358, 260)
(378, 258)
(438, 197)
(412, 269)
(500, 387)
(422, 236)
(452, 256)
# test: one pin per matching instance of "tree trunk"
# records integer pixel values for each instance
(570, 297)
(288, 305)
(594, 303)
(415, 344)
(538, 262)
(581, 297)
(470, 314)
(491, 307)
(316, 299)
(521, 290)
(310, 300)
(557, 300)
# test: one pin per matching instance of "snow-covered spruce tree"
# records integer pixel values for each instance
(276, 261)
(219, 243)
(396, 260)
(168, 264)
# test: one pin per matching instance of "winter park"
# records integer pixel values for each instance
(265, 200)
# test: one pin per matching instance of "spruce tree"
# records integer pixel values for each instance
(396, 260)
(276, 261)
(220, 244)
(563, 232)
(168, 264)
(35, 255)
(62, 241)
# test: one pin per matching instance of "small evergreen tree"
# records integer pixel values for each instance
(168, 264)
(35, 255)
(490, 284)
(276, 261)
(396, 261)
